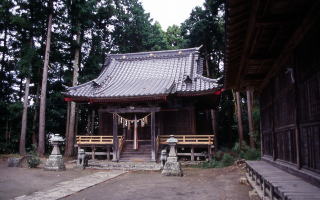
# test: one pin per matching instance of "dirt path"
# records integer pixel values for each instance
(202, 184)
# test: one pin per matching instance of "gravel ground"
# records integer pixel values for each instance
(200, 184)
(20, 181)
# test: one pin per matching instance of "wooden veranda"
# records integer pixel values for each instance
(184, 141)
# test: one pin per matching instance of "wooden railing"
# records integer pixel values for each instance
(188, 139)
(97, 139)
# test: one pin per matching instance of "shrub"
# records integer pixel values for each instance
(33, 161)
(246, 152)
(227, 160)
(251, 154)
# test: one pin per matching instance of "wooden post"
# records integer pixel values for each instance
(108, 153)
(153, 136)
(214, 127)
(297, 119)
(115, 139)
(209, 152)
(239, 118)
(93, 114)
(135, 134)
(93, 152)
(193, 121)
(192, 153)
(250, 118)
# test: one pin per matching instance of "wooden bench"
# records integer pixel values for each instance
(191, 141)
(274, 183)
(94, 141)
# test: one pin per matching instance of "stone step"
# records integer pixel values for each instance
(124, 165)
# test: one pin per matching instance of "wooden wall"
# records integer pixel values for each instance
(290, 109)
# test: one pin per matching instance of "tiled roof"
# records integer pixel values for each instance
(157, 73)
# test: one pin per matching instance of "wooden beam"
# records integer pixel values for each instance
(131, 109)
(249, 36)
(153, 136)
(309, 21)
(115, 139)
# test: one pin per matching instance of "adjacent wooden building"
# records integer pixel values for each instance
(141, 98)
(273, 47)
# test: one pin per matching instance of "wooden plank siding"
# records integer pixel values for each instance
(290, 109)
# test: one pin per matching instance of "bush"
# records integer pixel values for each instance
(246, 152)
(226, 160)
(251, 154)
(33, 161)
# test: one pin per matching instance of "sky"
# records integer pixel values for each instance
(169, 12)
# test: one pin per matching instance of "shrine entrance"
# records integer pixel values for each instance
(136, 128)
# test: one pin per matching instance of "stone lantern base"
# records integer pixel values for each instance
(55, 163)
(172, 169)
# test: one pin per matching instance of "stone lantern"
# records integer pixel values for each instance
(55, 161)
(172, 166)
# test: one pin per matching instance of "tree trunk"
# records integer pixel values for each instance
(239, 118)
(34, 123)
(68, 122)
(22, 146)
(42, 113)
(71, 130)
(250, 118)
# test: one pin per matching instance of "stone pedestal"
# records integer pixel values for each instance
(172, 166)
(55, 161)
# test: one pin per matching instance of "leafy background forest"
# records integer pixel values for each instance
(93, 28)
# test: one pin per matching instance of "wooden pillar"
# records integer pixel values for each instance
(115, 139)
(93, 153)
(209, 152)
(250, 118)
(153, 137)
(108, 153)
(192, 153)
(297, 118)
(93, 114)
(135, 133)
(239, 118)
(193, 120)
(214, 128)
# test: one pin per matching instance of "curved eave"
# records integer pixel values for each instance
(214, 91)
(116, 99)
